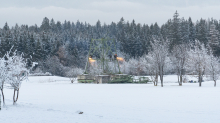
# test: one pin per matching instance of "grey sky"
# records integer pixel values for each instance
(143, 11)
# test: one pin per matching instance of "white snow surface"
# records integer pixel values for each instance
(51, 99)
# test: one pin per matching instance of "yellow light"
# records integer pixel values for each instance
(120, 59)
(91, 60)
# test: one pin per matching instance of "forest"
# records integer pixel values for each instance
(62, 47)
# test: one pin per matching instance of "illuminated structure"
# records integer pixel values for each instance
(103, 63)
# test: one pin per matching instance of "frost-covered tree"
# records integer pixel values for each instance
(131, 38)
(17, 72)
(198, 59)
(160, 55)
(3, 76)
(213, 66)
(179, 60)
(152, 67)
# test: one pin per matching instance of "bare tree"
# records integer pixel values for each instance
(159, 55)
(3, 77)
(213, 67)
(179, 60)
(152, 68)
(198, 60)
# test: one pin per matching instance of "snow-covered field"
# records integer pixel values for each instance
(55, 100)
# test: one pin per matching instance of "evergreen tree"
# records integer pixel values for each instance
(185, 31)
(38, 52)
(6, 27)
(214, 39)
(175, 35)
(145, 41)
(121, 35)
(45, 26)
(46, 45)
(192, 30)
(52, 25)
(59, 26)
(202, 32)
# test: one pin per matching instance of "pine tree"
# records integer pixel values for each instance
(144, 37)
(46, 45)
(121, 35)
(214, 38)
(6, 27)
(52, 25)
(202, 32)
(45, 26)
(59, 26)
(7, 41)
(175, 30)
(31, 44)
(185, 31)
(38, 52)
(192, 31)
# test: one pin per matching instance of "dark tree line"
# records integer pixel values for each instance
(67, 43)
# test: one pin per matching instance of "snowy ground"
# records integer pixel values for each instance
(55, 100)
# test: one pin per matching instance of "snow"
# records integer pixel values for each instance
(51, 99)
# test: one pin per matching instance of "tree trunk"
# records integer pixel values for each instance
(161, 75)
(200, 80)
(156, 80)
(3, 97)
(14, 97)
(161, 79)
(181, 80)
(214, 83)
(17, 95)
(178, 78)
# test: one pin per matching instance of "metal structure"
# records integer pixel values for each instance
(103, 51)
(103, 57)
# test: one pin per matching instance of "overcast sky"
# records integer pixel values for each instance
(143, 11)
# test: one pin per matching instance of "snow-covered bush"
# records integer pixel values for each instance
(41, 74)
(73, 72)
(134, 66)
(54, 66)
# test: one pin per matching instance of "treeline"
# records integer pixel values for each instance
(58, 47)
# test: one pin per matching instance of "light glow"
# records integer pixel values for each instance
(120, 59)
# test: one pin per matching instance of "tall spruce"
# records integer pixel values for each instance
(175, 31)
